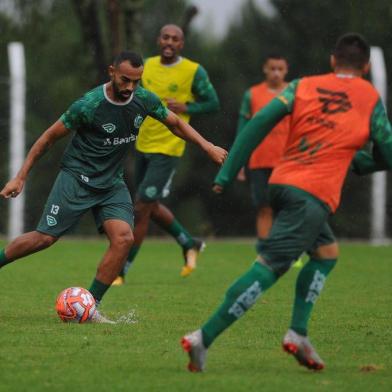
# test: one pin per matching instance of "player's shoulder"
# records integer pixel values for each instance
(145, 95)
(191, 64)
(93, 97)
(152, 60)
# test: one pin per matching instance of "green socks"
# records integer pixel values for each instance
(3, 258)
(310, 282)
(180, 234)
(98, 289)
(239, 298)
(131, 257)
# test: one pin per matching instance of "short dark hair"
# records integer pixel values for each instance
(352, 51)
(133, 58)
(275, 56)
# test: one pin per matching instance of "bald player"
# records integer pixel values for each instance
(183, 85)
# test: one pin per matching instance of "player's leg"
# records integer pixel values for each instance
(25, 245)
(264, 220)
(310, 282)
(191, 247)
(292, 233)
(113, 216)
(120, 238)
(153, 175)
(58, 216)
(258, 179)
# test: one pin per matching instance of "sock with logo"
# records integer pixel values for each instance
(181, 235)
(3, 259)
(239, 298)
(309, 284)
(98, 290)
(131, 257)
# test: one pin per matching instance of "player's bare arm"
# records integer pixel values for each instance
(183, 130)
(14, 187)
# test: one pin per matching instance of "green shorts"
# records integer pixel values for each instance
(69, 200)
(300, 225)
(153, 175)
(258, 179)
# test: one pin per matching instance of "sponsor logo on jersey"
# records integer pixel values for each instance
(138, 121)
(51, 220)
(84, 178)
(109, 127)
(334, 101)
(116, 141)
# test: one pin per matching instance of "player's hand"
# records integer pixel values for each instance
(216, 153)
(12, 188)
(217, 189)
(175, 106)
(241, 176)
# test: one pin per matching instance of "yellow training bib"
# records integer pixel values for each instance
(166, 81)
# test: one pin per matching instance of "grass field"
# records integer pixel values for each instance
(351, 327)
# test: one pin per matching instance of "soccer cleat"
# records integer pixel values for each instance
(190, 257)
(119, 281)
(193, 345)
(303, 351)
(98, 318)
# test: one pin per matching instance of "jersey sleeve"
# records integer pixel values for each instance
(155, 107)
(73, 118)
(249, 138)
(287, 96)
(254, 133)
(380, 158)
(245, 112)
(206, 97)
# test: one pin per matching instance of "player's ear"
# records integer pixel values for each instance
(366, 68)
(111, 71)
(332, 61)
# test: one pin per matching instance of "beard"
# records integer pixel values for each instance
(121, 95)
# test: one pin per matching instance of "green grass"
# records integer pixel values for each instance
(351, 325)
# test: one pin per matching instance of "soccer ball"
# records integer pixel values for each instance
(75, 305)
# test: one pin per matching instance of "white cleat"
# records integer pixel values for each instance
(302, 349)
(193, 345)
(98, 318)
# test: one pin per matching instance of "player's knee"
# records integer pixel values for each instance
(45, 241)
(143, 209)
(330, 251)
(123, 240)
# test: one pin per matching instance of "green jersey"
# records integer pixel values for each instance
(104, 129)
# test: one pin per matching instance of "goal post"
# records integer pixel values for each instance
(17, 69)
(378, 198)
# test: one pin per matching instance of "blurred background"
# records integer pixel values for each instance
(69, 43)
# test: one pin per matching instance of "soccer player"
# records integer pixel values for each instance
(265, 157)
(332, 116)
(186, 89)
(104, 122)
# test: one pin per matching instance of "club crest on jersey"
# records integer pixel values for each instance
(173, 87)
(51, 220)
(109, 127)
(138, 121)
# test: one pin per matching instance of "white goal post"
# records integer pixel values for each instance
(17, 68)
(378, 198)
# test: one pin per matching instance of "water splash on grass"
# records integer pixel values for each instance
(129, 318)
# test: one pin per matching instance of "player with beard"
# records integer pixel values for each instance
(185, 88)
(104, 122)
